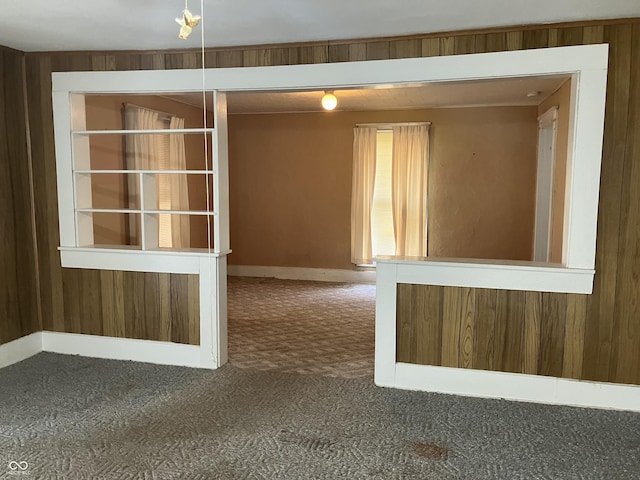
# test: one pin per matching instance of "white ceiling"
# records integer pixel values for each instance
(49, 25)
(495, 92)
(433, 95)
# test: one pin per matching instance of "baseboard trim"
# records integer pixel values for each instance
(149, 351)
(519, 387)
(297, 273)
(20, 349)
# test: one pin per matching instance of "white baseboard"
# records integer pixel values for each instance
(514, 386)
(297, 273)
(149, 351)
(20, 349)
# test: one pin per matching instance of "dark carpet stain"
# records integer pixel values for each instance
(430, 450)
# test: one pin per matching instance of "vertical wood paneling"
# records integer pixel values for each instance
(357, 52)
(378, 50)
(535, 38)
(574, 336)
(405, 49)
(308, 54)
(18, 284)
(467, 320)
(464, 44)
(427, 312)
(552, 323)
(507, 348)
(532, 313)
(447, 45)
(485, 321)
(193, 308)
(625, 355)
(451, 312)
(601, 304)
(338, 52)
(430, 47)
(404, 325)
(164, 285)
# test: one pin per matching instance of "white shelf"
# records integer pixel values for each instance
(152, 212)
(180, 172)
(160, 131)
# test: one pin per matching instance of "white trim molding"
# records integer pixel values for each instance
(20, 349)
(499, 274)
(149, 351)
(297, 273)
(515, 386)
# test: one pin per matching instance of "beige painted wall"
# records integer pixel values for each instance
(561, 98)
(290, 184)
(107, 152)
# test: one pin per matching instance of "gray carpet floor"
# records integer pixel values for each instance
(70, 417)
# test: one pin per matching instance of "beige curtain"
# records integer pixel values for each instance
(158, 152)
(178, 188)
(409, 189)
(364, 171)
(141, 150)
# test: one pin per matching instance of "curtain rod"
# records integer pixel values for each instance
(164, 114)
(393, 124)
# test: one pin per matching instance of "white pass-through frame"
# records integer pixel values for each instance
(587, 64)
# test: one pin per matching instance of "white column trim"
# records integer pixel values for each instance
(20, 349)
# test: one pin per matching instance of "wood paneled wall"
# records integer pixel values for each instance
(18, 286)
(503, 330)
(611, 334)
(149, 306)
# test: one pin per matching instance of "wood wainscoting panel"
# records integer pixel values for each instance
(502, 330)
(141, 305)
(18, 280)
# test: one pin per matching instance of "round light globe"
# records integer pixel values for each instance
(329, 101)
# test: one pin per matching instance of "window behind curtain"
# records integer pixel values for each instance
(382, 238)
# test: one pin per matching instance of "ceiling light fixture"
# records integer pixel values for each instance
(187, 22)
(329, 101)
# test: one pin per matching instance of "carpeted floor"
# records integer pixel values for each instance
(320, 328)
(77, 418)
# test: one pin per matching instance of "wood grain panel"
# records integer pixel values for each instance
(19, 314)
(430, 47)
(532, 314)
(451, 312)
(552, 323)
(405, 350)
(507, 347)
(535, 38)
(574, 336)
(467, 319)
(601, 304)
(485, 321)
(338, 53)
(405, 49)
(427, 311)
(378, 50)
(625, 355)
(464, 44)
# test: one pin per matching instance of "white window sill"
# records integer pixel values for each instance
(134, 259)
(497, 274)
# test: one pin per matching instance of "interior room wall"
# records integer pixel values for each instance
(18, 281)
(104, 112)
(560, 98)
(290, 184)
(603, 326)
